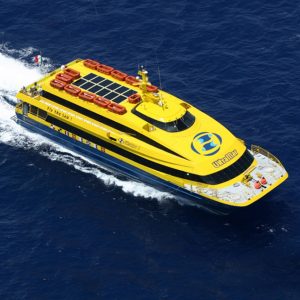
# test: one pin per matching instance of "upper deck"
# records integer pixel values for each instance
(199, 142)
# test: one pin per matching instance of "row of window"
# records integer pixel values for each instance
(106, 121)
(37, 112)
(224, 175)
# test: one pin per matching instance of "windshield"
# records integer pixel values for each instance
(185, 122)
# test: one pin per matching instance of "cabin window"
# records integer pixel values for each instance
(33, 110)
(42, 114)
(183, 123)
(224, 175)
(107, 121)
(25, 109)
(234, 170)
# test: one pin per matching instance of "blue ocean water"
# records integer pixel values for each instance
(72, 230)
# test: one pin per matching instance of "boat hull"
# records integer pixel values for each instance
(119, 167)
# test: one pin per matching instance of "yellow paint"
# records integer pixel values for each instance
(162, 107)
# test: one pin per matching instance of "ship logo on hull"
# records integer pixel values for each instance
(206, 143)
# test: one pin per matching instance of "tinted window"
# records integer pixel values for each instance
(33, 110)
(232, 171)
(185, 122)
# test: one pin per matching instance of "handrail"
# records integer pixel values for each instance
(19, 105)
(258, 149)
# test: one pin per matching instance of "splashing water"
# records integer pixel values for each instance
(15, 72)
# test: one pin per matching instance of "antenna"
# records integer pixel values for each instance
(158, 72)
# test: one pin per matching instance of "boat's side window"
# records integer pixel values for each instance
(232, 171)
(25, 109)
(33, 110)
(42, 114)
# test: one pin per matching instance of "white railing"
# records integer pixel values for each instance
(257, 149)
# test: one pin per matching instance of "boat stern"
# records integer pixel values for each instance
(258, 180)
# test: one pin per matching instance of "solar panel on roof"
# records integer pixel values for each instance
(121, 89)
(97, 79)
(87, 85)
(111, 95)
(103, 92)
(104, 87)
(95, 88)
(79, 82)
(129, 93)
(106, 82)
(90, 76)
(119, 99)
(113, 86)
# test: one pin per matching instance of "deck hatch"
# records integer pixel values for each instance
(104, 87)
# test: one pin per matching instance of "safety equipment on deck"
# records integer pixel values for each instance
(72, 90)
(116, 108)
(92, 64)
(58, 84)
(118, 75)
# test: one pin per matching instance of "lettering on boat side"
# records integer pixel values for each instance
(229, 156)
(59, 113)
(54, 108)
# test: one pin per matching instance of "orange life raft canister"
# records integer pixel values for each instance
(131, 80)
(116, 108)
(72, 90)
(101, 101)
(64, 77)
(118, 75)
(104, 69)
(86, 96)
(152, 88)
(73, 73)
(135, 98)
(58, 84)
(92, 64)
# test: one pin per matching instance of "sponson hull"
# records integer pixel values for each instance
(134, 127)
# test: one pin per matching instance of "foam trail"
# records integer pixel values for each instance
(15, 72)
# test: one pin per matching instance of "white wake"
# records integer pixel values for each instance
(17, 70)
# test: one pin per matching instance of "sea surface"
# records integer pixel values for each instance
(70, 229)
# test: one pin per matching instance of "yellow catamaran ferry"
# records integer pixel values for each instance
(133, 127)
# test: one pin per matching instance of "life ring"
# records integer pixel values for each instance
(152, 88)
(116, 108)
(92, 64)
(64, 77)
(135, 98)
(104, 69)
(101, 101)
(86, 96)
(73, 73)
(118, 75)
(72, 90)
(131, 80)
(58, 84)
